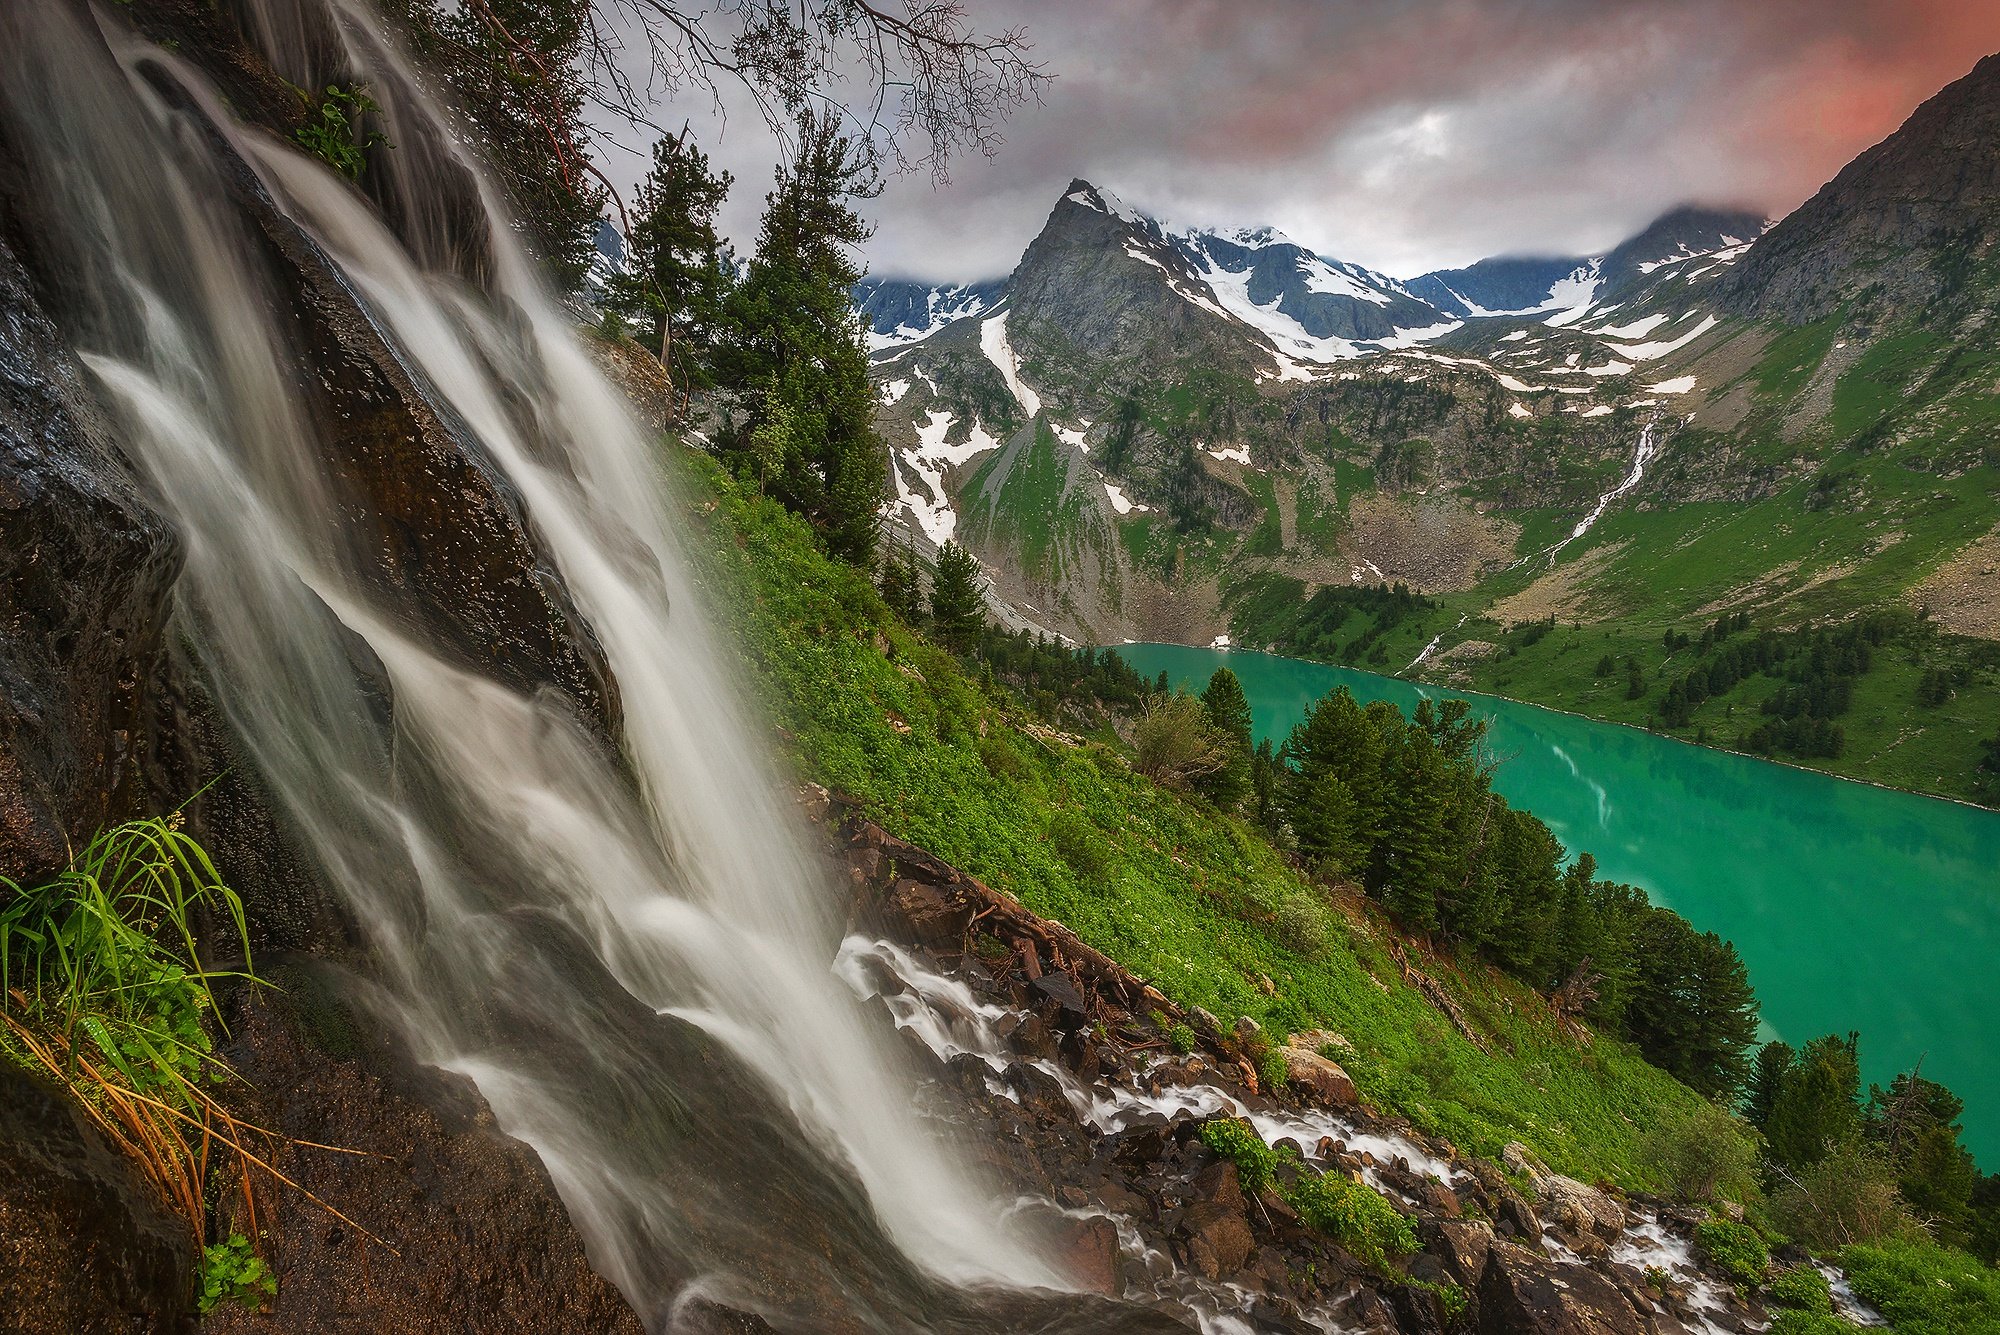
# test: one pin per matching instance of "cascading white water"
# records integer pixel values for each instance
(504, 863)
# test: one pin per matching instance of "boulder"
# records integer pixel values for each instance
(1088, 1250)
(1521, 1293)
(1325, 1080)
(1575, 1206)
(926, 914)
(86, 1246)
(1218, 1239)
(1461, 1245)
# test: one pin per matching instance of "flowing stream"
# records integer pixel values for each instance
(624, 943)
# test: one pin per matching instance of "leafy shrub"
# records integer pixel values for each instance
(1801, 1288)
(1237, 1141)
(1733, 1248)
(1700, 1154)
(1847, 1198)
(1175, 743)
(1081, 845)
(1925, 1289)
(1181, 1039)
(1302, 924)
(1353, 1214)
(1273, 1069)
(1794, 1322)
(333, 133)
(232, 1272)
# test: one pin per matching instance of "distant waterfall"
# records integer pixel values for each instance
(625, 943)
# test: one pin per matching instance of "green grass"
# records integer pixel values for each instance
(1182, 895)
(1925, 1289)
(1268, 538)
(1792, 357)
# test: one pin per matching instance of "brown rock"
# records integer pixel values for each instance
(86, 1247)
(484, 1241)
(1461, 1245)
(1523, 1294)
(927, 914)
(1218, 1239)
(1088, 1250)
(1323, 1079)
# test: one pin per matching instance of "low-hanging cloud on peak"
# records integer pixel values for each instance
(1414, 134)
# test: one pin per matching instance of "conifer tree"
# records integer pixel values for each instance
(1229, 712)
(1816, 1107)
(958, 611)
(676, 279)
(796, 346)
(902, 586)
(1767, 1077)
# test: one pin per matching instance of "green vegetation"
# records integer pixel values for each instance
(1734, 1248)
(101, 988)
(1196, 900)
(1337, 623)
(1802, 1289)
(1352, 1213)
(334, 133)
(1925, 1289)
(232, 1272)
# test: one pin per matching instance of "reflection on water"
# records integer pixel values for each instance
(1855, 907)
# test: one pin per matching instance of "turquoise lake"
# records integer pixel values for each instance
(1854, 907)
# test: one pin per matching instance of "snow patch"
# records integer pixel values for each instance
(1069, 436)
(893, 391)
(1612, 367)
(993, 342)
(1321, 276)
(1233, 453)
(1646, 352)
(1120, 502)
(1637, 329)
(1601, 410)
(1514, 337)
(1516, 410)
(1680, 384)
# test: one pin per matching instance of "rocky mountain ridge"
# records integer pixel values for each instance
(1155, 426)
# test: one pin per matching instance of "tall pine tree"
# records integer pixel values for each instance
(807, 434)
(1229, 711)
(676, 278)
(958, 611)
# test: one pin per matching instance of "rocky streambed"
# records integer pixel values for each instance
(1060, 1065)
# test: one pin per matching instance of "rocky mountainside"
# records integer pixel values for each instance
(1195, 436)
(1138, 395)
(1910, 222)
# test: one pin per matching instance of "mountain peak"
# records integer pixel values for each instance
(1891, 223)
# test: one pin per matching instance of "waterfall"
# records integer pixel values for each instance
(615, 929)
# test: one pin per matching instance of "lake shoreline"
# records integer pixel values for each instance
(1571, 713)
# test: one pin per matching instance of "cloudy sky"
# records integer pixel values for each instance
(1408, 135)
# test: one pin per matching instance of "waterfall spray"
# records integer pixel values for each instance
(607, 918)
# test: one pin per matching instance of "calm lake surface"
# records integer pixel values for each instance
(1854, 907)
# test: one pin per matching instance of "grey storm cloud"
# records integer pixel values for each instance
(1414, 134)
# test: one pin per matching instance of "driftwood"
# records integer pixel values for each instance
(1433, 992)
